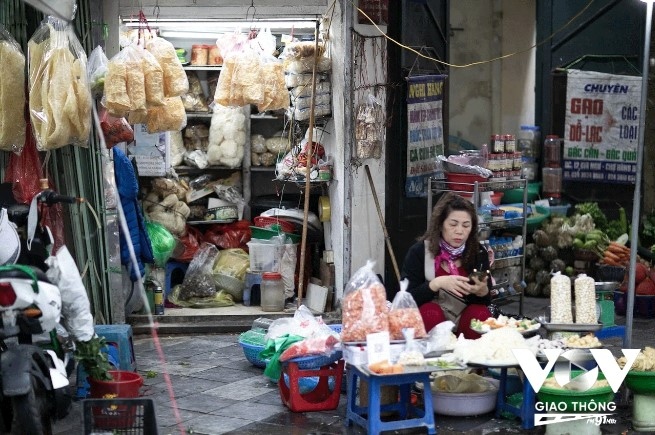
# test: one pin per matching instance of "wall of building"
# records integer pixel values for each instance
(498, 96)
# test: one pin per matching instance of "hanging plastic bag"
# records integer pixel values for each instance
(175, 79)
(169, 117)
(405, 314)
(198, 280)
(276, 95)
(369, 128)
(59, 93)
(24, 170)
(364, 305)
(265, 42)
(97, 70)
(115, 130)
(12, 93)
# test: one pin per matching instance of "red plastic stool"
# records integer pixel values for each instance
(320, 398)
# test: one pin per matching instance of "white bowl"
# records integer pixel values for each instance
(465, 404)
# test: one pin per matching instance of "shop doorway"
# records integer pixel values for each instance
(422, 26)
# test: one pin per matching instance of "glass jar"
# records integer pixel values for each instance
(272, 292)
(510, 143)
(497, 143)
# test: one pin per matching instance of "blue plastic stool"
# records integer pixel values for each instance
(526, 411)
(119, 349)
(369, 417)
(173, 267)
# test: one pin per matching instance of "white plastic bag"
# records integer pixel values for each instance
(75, 307)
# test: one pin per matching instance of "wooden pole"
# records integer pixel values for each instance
(384, 227)
(309, 152)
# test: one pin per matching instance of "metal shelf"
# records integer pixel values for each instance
(262, 168)
(474, 191)
(202, 67)
(206, 115)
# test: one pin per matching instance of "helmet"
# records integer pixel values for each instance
(8, 240)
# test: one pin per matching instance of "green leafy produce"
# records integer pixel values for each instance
(541, 238)
(592, 208)
(92, 358)
(533, 289)
(537, 263)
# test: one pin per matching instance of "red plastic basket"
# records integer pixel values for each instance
(463, 182)
(268, 222)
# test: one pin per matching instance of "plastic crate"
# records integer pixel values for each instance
(125, 416)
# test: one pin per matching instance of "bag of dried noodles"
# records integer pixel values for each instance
(59, 92)
(12, 93)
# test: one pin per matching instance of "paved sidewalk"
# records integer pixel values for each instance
(217, 391)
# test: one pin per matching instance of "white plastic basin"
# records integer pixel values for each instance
(465, 404)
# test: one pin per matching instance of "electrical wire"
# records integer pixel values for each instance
(481, 62)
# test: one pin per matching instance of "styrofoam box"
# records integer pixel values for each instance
(265, 257)
(355, 354)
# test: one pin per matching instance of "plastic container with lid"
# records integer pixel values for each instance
(272, 292)
(552, 151)
(552, 181)
(529, 140)
(199, 54)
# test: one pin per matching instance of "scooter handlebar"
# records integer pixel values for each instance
(50, 197)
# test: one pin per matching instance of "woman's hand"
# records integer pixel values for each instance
(479, 287)
(455, 284)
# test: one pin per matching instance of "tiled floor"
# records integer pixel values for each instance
(217, 391)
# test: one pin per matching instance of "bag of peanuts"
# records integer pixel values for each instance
(364, 305)
(405, 314)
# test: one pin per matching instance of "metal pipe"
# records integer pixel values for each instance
(634, 241)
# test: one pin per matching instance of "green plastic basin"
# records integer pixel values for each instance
(561, 396)
(641, 382)
(513, 196)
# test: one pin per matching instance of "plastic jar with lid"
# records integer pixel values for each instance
(510, 143)
(552, 151)
(199, 54)
(214, 56)
(552, 181)
(272, 292)
(497, 143)
(529, 140)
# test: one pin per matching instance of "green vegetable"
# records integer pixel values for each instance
(578, 244)
(569, 271)
(594, 237)
(623, 220)
(592, 209)
(590, 244)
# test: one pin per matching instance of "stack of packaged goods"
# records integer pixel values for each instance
(298, 66)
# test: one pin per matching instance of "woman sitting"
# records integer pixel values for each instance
(442, 260)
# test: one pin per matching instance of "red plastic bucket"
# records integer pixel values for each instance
(124, 384)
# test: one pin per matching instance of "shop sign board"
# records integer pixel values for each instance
(377, 11)
(424, 131)
(601, 131)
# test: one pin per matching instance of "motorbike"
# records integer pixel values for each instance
(33, 375)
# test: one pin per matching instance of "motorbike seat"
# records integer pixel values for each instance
(40, 275)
